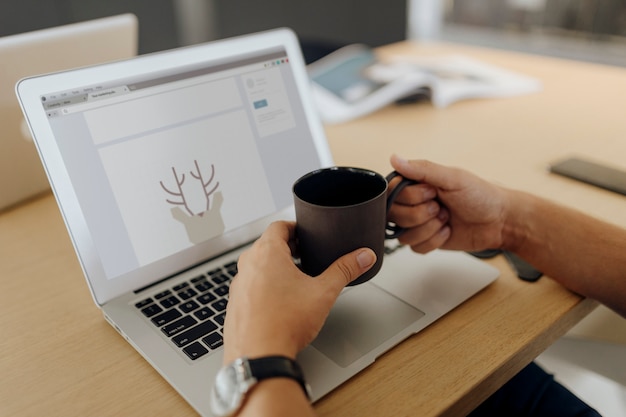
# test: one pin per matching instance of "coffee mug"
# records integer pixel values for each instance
(341, 209)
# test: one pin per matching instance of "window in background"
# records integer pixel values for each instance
(588, 30)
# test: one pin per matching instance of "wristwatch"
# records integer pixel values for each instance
(234, 380)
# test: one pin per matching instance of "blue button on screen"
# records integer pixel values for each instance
(259, 104)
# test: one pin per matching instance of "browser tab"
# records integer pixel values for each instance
(107, 93)
(87, 94)
(65, 100)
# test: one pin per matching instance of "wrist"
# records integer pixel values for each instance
(272, 394)
(236, 382)
(232, 355)
(257, 348)
(517, 220)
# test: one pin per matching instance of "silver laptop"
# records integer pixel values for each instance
(38, 52)
(166, 166)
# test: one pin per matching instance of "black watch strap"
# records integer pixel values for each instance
(278, 366)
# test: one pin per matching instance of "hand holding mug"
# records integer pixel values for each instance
(341, 209)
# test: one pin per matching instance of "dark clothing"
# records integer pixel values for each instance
(533, 392)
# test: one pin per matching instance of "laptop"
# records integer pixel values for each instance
(42, 51)
(167, 166)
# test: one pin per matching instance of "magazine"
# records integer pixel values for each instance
(352, 82)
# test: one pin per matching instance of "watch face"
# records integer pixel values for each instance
(226, 396)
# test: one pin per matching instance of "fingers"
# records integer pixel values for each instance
(418, 204)
(426, 172)
(426, 238)
(423, 232)
(415, 215)
(276, 241)
(282, 230)
(423, 215)
(348, 268)
(413, 194)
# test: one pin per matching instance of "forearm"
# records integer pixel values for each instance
(584, 254)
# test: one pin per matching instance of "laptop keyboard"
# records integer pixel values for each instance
(191, 314)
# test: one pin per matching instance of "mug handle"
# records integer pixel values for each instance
(392, 230)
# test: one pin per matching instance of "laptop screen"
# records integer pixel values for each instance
(171, 159)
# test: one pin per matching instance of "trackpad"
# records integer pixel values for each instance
(362, 319)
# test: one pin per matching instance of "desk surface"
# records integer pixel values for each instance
(60, 358)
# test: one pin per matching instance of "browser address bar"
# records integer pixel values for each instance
(156, 111)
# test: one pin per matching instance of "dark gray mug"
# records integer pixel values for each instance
(341, 209)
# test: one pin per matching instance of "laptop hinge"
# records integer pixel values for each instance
(139, 290)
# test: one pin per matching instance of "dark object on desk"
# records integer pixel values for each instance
(487, 253)
(314, 50)
(522, 268)
(593, 173)
(421, 94)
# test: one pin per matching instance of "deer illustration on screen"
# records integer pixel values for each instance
(197, 202)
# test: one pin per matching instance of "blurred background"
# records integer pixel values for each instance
(589, 30)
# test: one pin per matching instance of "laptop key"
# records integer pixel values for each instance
(170, 301)
(220, 319)
(195, 350)
(180, 286)
(188, 306)
(187, 293)
(232, 269)
(194, 333)
(221, 291)
(203, 286)
(220, 305)
(214, 340)
(143, 303)
(206, 298)
(198, 279)
(215, 271)
(204, 313)
(220, 278)
(151, 310)
(162, 294)
(179, 325)
(168, 316)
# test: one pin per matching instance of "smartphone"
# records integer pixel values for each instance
(593, 173)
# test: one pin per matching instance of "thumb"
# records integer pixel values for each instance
(423, 171)
(348, 268)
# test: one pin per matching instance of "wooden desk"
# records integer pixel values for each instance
(60, 358)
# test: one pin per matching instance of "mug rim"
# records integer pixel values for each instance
(366, 171)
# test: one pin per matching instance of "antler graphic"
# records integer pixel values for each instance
(198, 175)
(180, 195)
